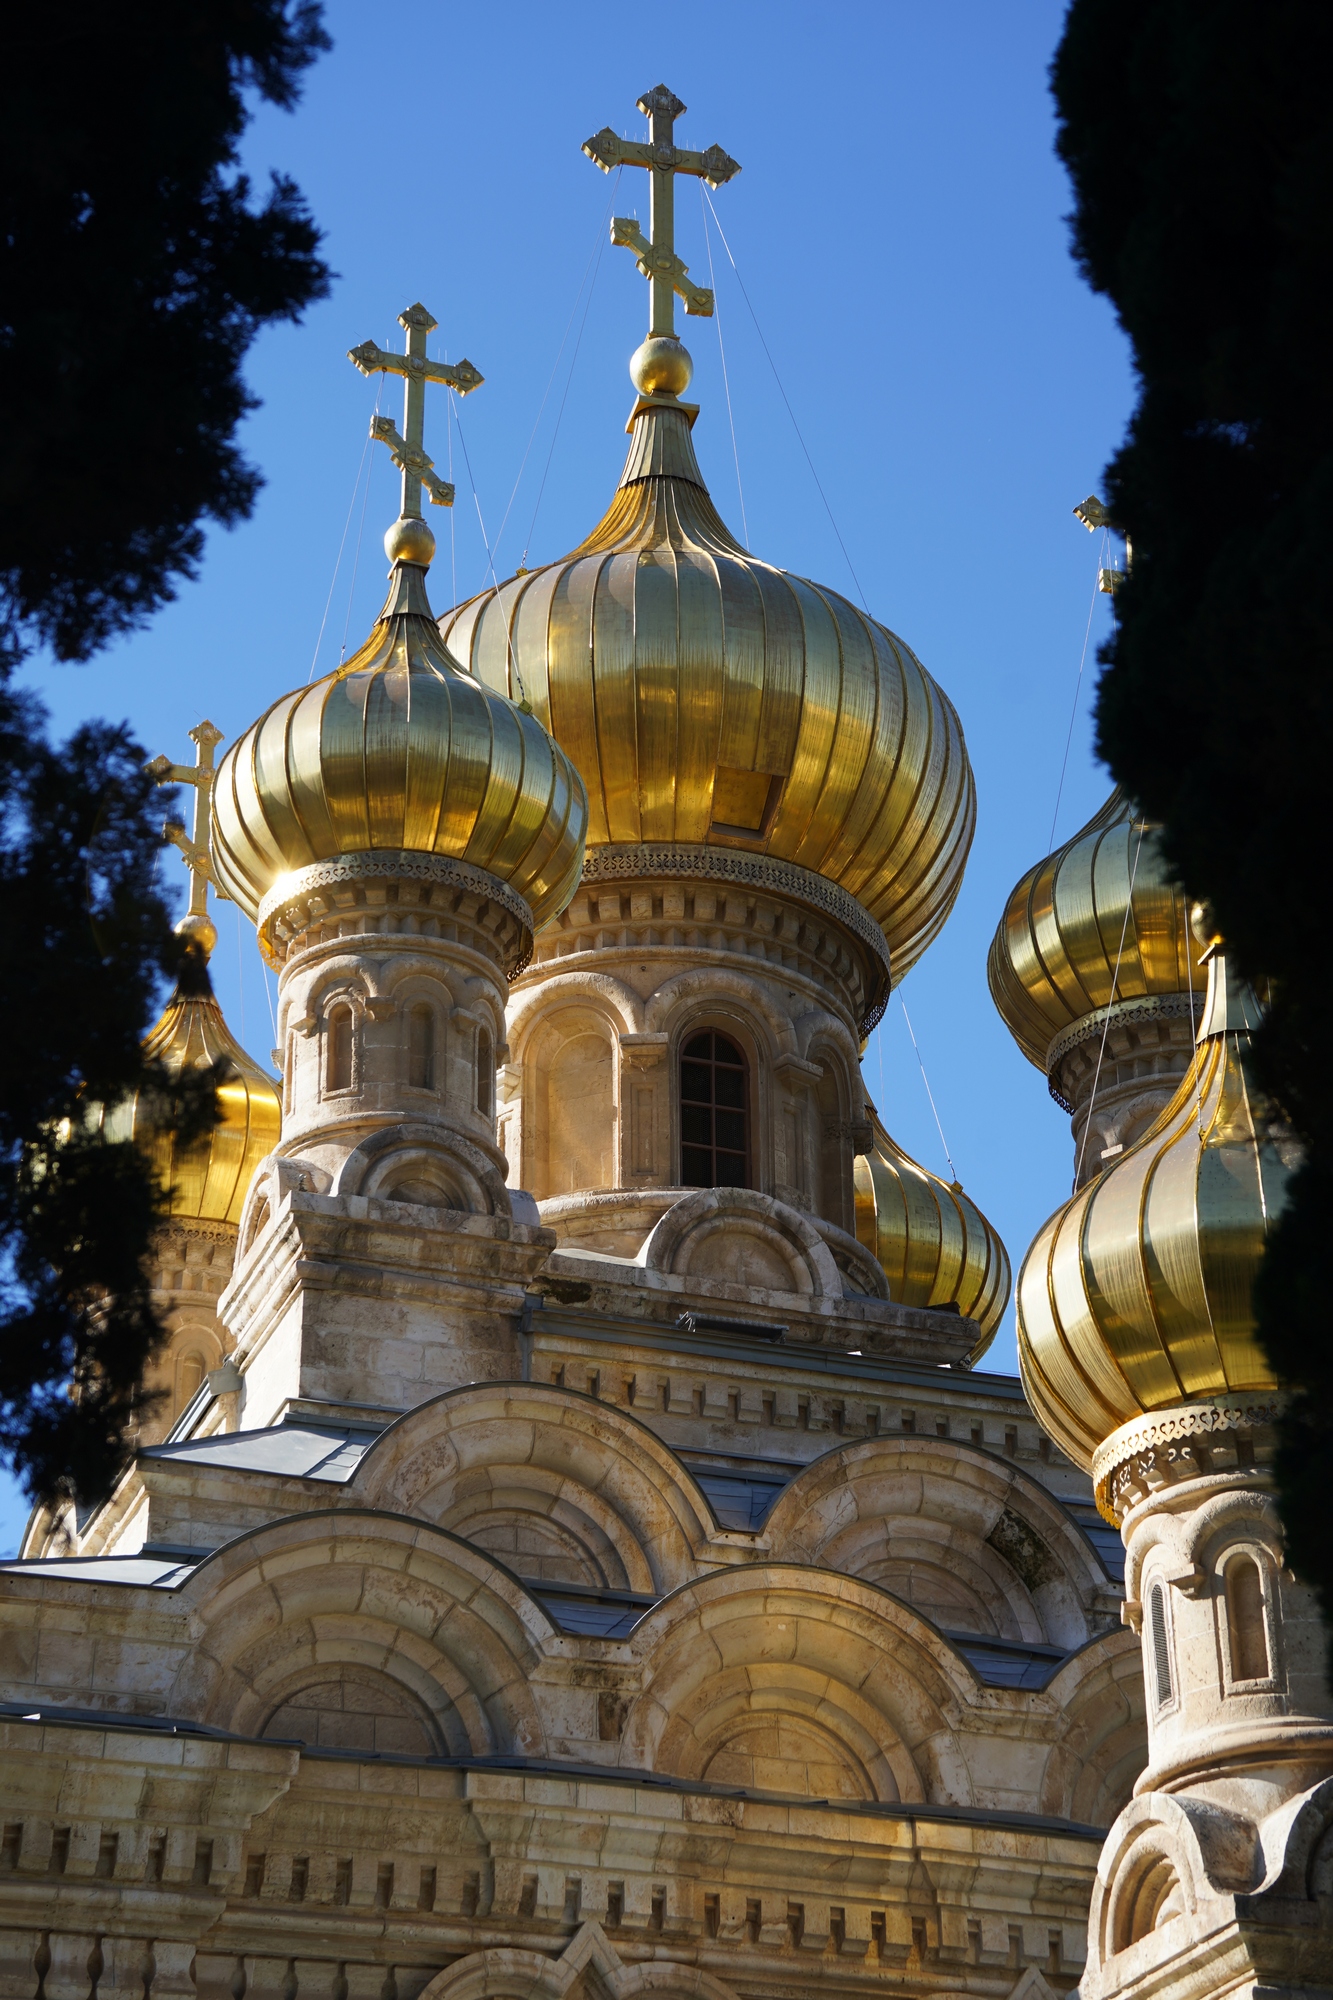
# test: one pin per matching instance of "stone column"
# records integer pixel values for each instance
(382, 1255)
(1216, 1877)
(660, 942)
(1115, 1070)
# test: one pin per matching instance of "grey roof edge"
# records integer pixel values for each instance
(551, 1767)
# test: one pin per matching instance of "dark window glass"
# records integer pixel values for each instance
(714, 1113)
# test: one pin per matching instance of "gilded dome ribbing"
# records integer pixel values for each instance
(1097, 923)
(706, 696)
(398, 751)
(1136, 1295)
(210, 1177)
(933, 1242)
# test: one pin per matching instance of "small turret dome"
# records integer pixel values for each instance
(209, 1177)
(935, 1245)
(398, 752)
(1137, 1294)
(1097, 924)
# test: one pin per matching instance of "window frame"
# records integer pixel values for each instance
(1260, 1557)
(745, 1065)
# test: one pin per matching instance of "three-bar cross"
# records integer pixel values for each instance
(194, 845)
(657, 257)
(406, 448)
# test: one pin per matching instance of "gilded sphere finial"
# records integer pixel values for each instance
(410, 540)
(661, 367)
(1203, 923)
(199, 930)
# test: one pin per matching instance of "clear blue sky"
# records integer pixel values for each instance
(899, 230)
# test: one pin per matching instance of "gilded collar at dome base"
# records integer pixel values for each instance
(420, 893)
(687, 861)
(1192, 1441)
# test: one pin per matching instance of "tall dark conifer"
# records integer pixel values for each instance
(135, 270)
(1200, 146)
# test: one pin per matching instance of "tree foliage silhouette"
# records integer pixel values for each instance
(135, 271)
(1201, 152)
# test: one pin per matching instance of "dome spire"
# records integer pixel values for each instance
(410, 539)
(661, 368)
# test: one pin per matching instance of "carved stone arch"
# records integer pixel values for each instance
(863, 1275)
(1242, 1514)
(189, 1343)
(589, 1967)
(621, 1001)
(549, 1465)
(819, 1685)
(353, 1703)
(373, 1594)
(703, 988)
(1102, 1745)
(972, 1542)
(504, 1972)
(571, 1094)
(428, 1165)
(1153, 1869)
(743, 1240)
(340, 979)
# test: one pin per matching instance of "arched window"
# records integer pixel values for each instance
(485, 1072)
(340, 1049)
(421, 1048)
(1161, 1649)
(1245, 1620)
(714, 1113)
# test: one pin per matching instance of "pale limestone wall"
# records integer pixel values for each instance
(1116, 1076)
(782, 1775)
(588, 1099)
(240, 1865)
(192, 1264)
(1216, 1877)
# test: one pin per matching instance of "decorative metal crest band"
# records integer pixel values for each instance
(388, 863)
(755, 871)
(1151, 1007)
(1167, 1427)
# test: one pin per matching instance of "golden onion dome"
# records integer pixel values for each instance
(1098, 924)
(935, 1246)
(399, 752)
(707, 697)
(1136, 1295)
(208, 1178)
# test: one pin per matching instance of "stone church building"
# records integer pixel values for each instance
(576, 1548)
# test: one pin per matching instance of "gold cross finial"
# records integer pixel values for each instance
(413, 544)
(658, 262)
(196, 925)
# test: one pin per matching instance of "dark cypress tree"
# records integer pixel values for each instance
(135, 270)
(134, 273)
(1200, 146)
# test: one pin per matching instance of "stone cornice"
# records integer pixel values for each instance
(332, 889)
(684, 862)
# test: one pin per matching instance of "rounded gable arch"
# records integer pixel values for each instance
(826, 1658)
(592, 1471)
(310, 1598)
(948, 1518)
